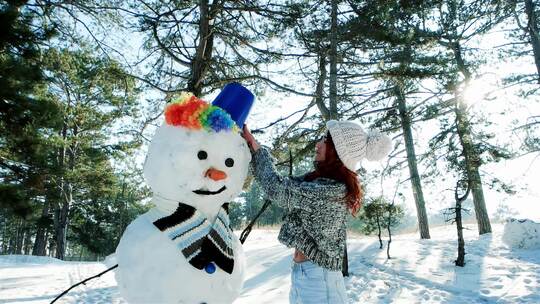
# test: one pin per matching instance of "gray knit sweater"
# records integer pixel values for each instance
(315, 219)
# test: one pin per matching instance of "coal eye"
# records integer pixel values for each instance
(202, 155)
(229, 162)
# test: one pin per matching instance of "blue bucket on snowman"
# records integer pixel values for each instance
(237, 101)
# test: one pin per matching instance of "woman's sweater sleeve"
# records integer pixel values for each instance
(289, 192)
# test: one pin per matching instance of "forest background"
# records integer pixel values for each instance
(83, 85)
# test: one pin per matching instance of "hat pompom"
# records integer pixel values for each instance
(378, 145)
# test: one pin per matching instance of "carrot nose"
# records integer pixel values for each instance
(215, 174)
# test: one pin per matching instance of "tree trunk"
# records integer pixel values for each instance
(52, 249)
(345, 267)
(333, 94)
(200, 62)
(532, 30)
(389, 228)
(333, 61)
(379, 232)
(47, 241)
(472, 159)
(20, 237)
(11, 245)
(460, 261)
(60, 230)
(319, 90)
(27, 244)
(418, 194)
(40, 244)
(121, 201)
(81, 253)
(61, 216)
(472, 163)
(59, 204)
(5, 238)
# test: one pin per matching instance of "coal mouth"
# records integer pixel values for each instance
(207, 192)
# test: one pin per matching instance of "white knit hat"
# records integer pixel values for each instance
(353, 144)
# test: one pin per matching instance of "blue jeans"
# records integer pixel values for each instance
(312, 284)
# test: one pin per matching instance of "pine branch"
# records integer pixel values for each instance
(261, 130)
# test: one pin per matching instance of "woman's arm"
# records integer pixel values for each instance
(285, 191)
(288, 192)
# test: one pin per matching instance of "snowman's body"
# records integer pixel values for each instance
(200, 169)
(159, 274)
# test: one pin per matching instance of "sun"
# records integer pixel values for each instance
(481, 89)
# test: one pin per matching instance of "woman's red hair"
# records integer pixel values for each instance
(332, 167)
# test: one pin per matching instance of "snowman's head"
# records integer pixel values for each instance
(196, 157)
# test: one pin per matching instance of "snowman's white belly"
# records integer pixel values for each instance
(153, 270)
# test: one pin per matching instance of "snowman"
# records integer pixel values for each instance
(183, 250)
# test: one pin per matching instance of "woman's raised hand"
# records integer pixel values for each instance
(251, 141)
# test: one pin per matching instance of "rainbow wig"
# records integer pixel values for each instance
(193, 113)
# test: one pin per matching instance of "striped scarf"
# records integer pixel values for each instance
(200, 241)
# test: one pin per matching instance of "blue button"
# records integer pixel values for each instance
(210, 268)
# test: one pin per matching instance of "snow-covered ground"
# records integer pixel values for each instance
(421, 271)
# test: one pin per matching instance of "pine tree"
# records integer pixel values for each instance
(374, 216)
(394, 36)
(199, 46)
(523, 40)
(26, 116)
(523, 45)
(98, 222)
(23, 113)
(93, 94)
(458, 23)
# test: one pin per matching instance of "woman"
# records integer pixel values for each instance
(316, 207)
